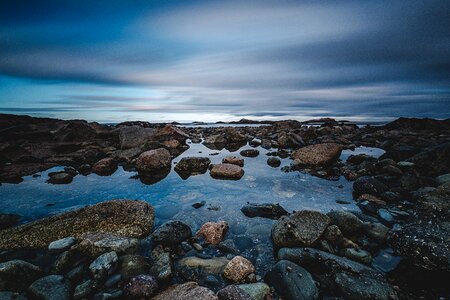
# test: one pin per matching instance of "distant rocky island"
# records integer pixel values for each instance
(115, 250)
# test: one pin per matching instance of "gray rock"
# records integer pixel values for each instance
(141, 286)
(85, 289)
(264, 210)
(162, 266)
(292, 282)
(214, 265)
(104, 265)
(358, 255)
(133, 265)
(96, 243)
(16, 275)
(347, 222)
(357, 288)
(376, 231)
(171, 233)
(257, 291)
(52, 287)
(61, 244)
(60, 178)
(113, 294)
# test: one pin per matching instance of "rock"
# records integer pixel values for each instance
(385, 217)
(153, 160)
(292, 282)
(161, 266)
(188, 290)
(317, 155)
(376, 231)
(249, 153)
(358, 255)
(257, 291)
(213, 233)
(435, 202)
(61, 244)
(433, 161)
(64, 262)
(301, 228)
(134, 136)
(226, 171)
(113, 280)
(274, 162)
(442, 179)
(95, 243)
(127, 218)
(188, 166)
(104, 265)
(16, 275)
(52, 287)
(238, 269)
(255, 142)
(171, 233)
(232, 135)
(347, 222)
(368, 185)
(197, 205)
(105, 166)
(133, 265)
(357, 288)
(214, 265)
(333, 235)
(84, 290)
(60, 178)
(8, 220)
(233, 292)
(234, 160)
(264, 210)
(11, 296)
(141, 286)
(111, 294)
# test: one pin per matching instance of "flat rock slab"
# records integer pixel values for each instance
(127, 218)
(317, 155)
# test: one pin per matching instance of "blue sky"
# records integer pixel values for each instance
(225, 60)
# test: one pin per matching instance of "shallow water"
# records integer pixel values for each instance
(173, 197)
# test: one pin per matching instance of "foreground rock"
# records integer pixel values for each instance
(127, 218)
(188, 166)
(188, 290)
(226, 171)
(317, 155)
(238, 269)
(171, 233)
(95, 243)
(302, 228)
(53, 287)
(213, 233)
(258, 290)
(264, 210)
(17, 275)
(153, 160)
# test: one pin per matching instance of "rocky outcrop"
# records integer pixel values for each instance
(317, 155)
(17, 275)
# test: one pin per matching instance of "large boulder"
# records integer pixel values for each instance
(301, 228)
(317, 155)
(153, 160)
(17, 275)
(127, 218)
(188, 166)
(238, 269)
(95, 243)
(105, 166)
(188, 290)
(226, 171)
(213, 232)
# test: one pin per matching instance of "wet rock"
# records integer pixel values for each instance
(214, 265)
(60, 178)
(368, 185)
(61, 244)
(289, 140)
(234, 160)
(226, 171)
(153, 160)
(105, 166)
(104, 265)
(8, 220)
(161, 266)
(358, 255)
(188, 166)
(111, 294)
(16, 275)
(257, 291)
(302, 228)
(171, 233)
(355, 288)
(188, 290)
(133, 265)
(52, 287)
(197, 205)
(249, 153)
(233, 292)
(264, 210)
(63, 263)
(274, 162)
(442, 179)
(347, 222)
(385, 217)
(95, 243)
(255, 142)
(238, 269)
(127, 218)
(317, 155)
(292, 282)
(85, 289)
(141, 286)
(213, 232)
(11, 296)
(333, 235)
(134, 136)
(376, 231)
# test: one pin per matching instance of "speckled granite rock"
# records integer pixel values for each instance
(238, 269)
(188, 290)
(316, 155)
(213, 233)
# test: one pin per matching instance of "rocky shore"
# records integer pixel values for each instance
(112, 250)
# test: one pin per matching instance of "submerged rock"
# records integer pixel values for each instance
(238, 269)
(127, 218)
(171, 233)
(16, 275)
(213, 233)
(104, 265)
(226, 171)
(264, 210)
(52, 287)
(257, 291)
(188, 290)
(274, 162)
(317, 155)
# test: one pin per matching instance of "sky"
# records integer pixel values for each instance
(111, 61)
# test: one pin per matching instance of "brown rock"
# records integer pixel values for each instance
(316, 155)
(105, 166)
(188, 290)
(238, 269)
(234, 160)
(153, 160)
(226, 171)
(213, 233)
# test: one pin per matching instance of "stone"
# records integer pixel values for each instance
(215, 265)
(188, 166)
(257, 291)
(233, 292)
(440, 180)
(226, 171)
(264, 210)
(274, 162)
(17, 275)
(358, 255)
(238, 269)
(141, 286)
(60, 178)
(188, 290)
(134, 136)
(213, 232)
(8, 220)
(333, 235)
(249, 153)
(128, 218)
(301, 228)
(234, 160)
(171, 233)
(84, 290)
(354, 287)
(153, 160)
(64, 261)
(347, 222)
(95, 243)
(104, 265)
(376, 231)
(105, 166)
(161, 266)
(133, 265)
(317, 155)
(292, 282)
(368, 185)
(52, 287)
(61, 244)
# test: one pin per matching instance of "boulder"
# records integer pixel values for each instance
(264, 210)
(213, 233)
(274, 162)
(128, 218)
(153, 160)
(105, 166)
(61, 244)
(134, 136)
(301, 228)
(347, 222)
(104, 265)
(317, 155)
(257, 291)
(132, 265)
(238, 269)
(226, 171)
(171, 233)
(249, 153)
(52, 287)
(141, 287)
(188, 166)
(188, 290)
(233, 292)
(234, 160)
(161, 266)
(95, 243)
(368, 185)
(17, 275)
